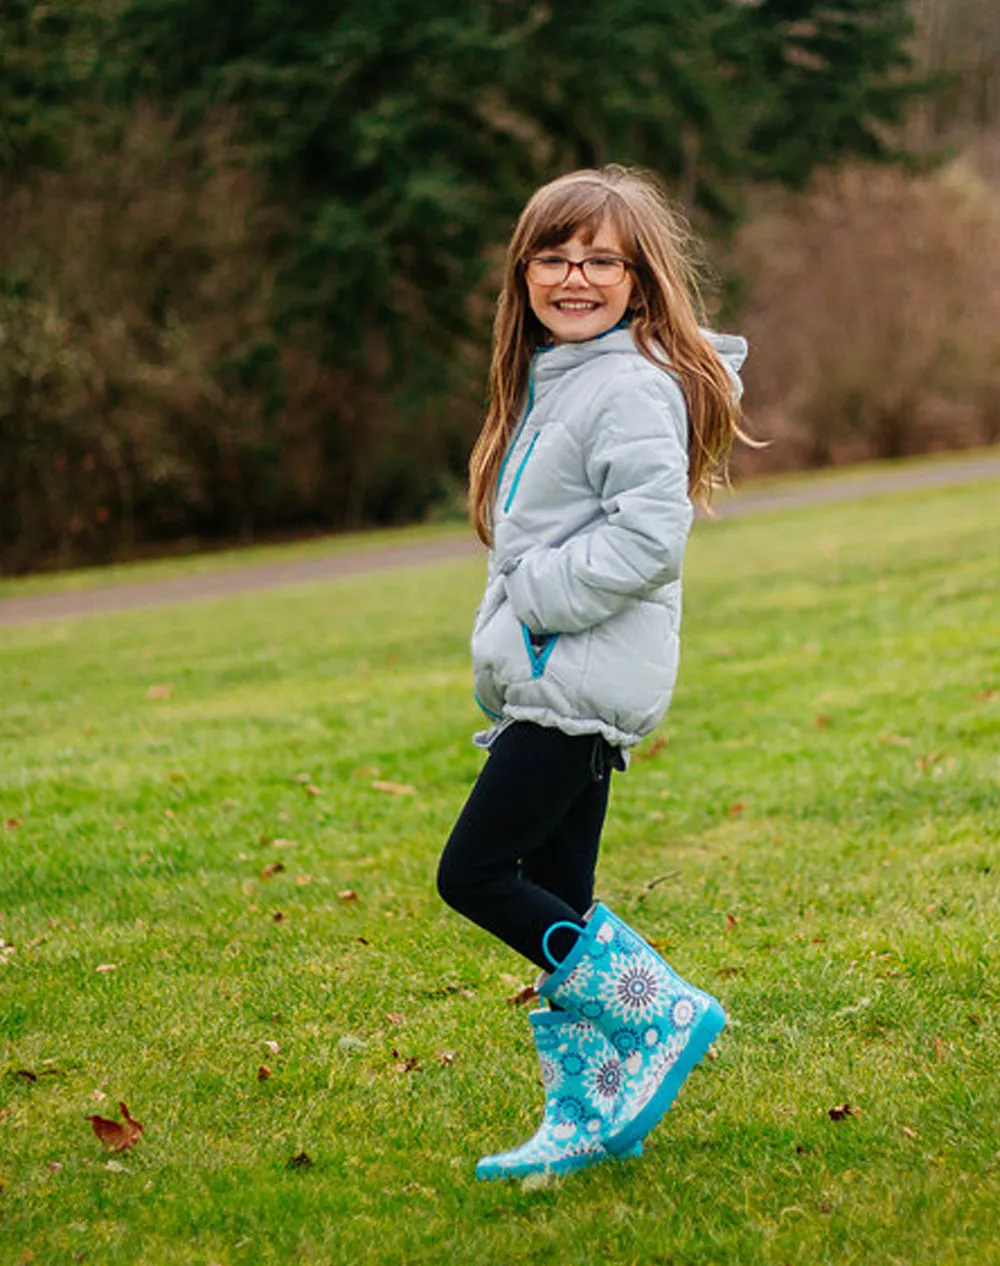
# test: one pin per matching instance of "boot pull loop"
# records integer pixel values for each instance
(573, 927)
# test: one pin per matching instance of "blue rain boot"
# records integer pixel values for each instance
(582, 1077)
(659, 1025)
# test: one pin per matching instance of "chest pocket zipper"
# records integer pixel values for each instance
(519, 472)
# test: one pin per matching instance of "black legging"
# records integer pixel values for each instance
(523, 851)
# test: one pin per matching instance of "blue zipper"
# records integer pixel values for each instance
(517, 434)
(520, 472)
(493, 716)
(540, 657)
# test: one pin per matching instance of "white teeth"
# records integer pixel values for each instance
(571, 305)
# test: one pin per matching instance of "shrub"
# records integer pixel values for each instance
(875, 300)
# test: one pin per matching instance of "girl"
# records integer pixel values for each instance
(610, 410)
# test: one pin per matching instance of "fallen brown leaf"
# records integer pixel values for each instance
(841, 1111)
(736, 808)
(11, 824)
(447, 1057)
(313, 790)
(909, 1132)
(395, 1017)
(113, 1135)
(278, 917)
(263, 1073)
(657, 745)
(523, 997)
(940, 1050)
(984, 696)
(822, 722)
(27, 1073)
(106, 967)
(302, 1161)
(160, 692)
(925, 762)
(394, 788)
(408, 1065)
(272, 868)
(732, 922)
(303, 880)
(347, 894)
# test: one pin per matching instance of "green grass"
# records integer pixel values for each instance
(830, 780)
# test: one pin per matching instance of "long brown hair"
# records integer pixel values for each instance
(664, 309)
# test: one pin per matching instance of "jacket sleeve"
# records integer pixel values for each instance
(635, 455)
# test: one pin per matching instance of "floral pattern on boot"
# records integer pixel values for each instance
(582, 1076)
(658, 1025)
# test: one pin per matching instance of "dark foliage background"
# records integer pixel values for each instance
(248, 248)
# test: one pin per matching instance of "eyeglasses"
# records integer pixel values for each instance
(599, 270)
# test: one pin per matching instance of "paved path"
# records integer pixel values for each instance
(240, 580)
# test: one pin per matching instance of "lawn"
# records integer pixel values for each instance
(221, 825)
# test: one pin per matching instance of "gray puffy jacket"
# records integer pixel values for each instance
(578, 627)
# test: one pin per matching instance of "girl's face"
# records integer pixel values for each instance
(578, 306)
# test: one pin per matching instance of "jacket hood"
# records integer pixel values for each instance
(550, 363)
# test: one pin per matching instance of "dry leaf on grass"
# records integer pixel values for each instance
(909, 1131)
(302, 1161)
(409, 1065)
(395, 1017)
(115, 1136)
(447, 1057)
(11, 824)
(523, 996)
(273, 1047)
(841, 1111)
(822, 722)
(736, 808)
(106, 967)
(394, 788)
(347, 894)
(732, 922)
(271, 869)
(263, 1073)
(313, 790)
(303, 880)
(160, 692)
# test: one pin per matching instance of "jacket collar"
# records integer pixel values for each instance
(550, 363)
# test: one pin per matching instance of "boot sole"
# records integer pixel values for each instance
(570, 1164)
(702, 1036)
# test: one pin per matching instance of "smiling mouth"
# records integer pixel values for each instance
(576, 305)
